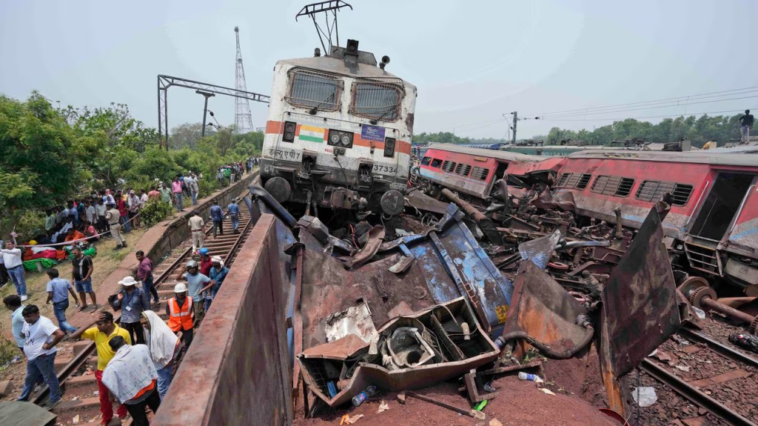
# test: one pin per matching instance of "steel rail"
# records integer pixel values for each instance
(719, 347)
(68, 370)
(694, 395)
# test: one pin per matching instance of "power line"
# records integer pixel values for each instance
(680, 98)
(613, 111)
(650, 116)
(486, 125)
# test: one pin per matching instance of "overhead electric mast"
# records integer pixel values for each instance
(243, 120)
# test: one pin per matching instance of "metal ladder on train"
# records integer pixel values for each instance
(703, 258)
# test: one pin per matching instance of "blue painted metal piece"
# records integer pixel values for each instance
(540, 250)
(455, 265)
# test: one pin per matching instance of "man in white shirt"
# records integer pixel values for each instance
(194, 187)
(14, 266)
(40, 337)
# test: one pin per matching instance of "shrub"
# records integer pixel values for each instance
(155, 211)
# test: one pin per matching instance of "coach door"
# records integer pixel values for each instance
(723, 205)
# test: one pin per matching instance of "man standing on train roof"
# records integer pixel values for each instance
(746, 122)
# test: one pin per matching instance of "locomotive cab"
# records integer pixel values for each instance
(339, 132)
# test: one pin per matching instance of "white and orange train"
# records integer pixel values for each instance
(339, 132)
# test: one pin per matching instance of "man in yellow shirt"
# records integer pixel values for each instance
(101, 331)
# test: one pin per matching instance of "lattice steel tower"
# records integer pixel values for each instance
(243, 120)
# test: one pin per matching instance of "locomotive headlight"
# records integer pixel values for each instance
(334, 138)
(345, 140)
(340, 138)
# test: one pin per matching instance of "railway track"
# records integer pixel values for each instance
(81, 403)
(705, 379)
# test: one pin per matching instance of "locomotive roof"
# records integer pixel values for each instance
(698, 157)
(337, 66)
(500, 155)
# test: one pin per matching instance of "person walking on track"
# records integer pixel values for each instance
(181, 314)
(163, 345)
(132, 301)
(233, 210)
(217, 215)
(145, 275)
(197, 229)
(131, 378)
(101, 330)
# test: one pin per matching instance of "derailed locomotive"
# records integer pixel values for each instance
(339, 132)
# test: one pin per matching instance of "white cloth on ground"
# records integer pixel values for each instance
(130, 371)
(160, 339)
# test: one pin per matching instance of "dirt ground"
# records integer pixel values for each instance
(518, 403)
(105, 262)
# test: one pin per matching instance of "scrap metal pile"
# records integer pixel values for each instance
(423, 298)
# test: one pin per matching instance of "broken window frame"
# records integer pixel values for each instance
(321, 103)
(659, 188)
(426, 161)
(436, 163)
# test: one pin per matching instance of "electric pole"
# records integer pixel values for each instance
(243, 121)
(205, 108)
(515, 123)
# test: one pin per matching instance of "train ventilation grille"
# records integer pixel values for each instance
(703, 258)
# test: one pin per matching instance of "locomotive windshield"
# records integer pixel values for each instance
(376, 101)
(313, 90)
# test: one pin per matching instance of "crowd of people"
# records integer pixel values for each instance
(136, 356)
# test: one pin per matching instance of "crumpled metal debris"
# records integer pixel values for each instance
(355, 320)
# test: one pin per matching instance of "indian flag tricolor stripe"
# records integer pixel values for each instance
(312, 134)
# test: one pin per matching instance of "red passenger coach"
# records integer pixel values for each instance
(469, 171)
(713, 220)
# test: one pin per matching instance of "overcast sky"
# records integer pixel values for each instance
(471, 61)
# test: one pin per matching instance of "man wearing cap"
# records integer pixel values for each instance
(101, 330)
(195, 283)
(197, 227)
(181, 315)
(217, 275)
(132, 301)
(113, 217)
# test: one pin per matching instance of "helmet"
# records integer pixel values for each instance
(203, 251)
(191, 264)
(180, 288)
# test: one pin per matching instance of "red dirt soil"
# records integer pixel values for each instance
(518, 403)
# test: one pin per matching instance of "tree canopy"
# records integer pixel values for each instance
(50, 155)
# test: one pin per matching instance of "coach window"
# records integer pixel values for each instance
(480, 173)
(426, 161)
(616, 186)
(653, 191)
(314, 90)
(378, 101)
(462, 169)
(574, 180)
(436, 163)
